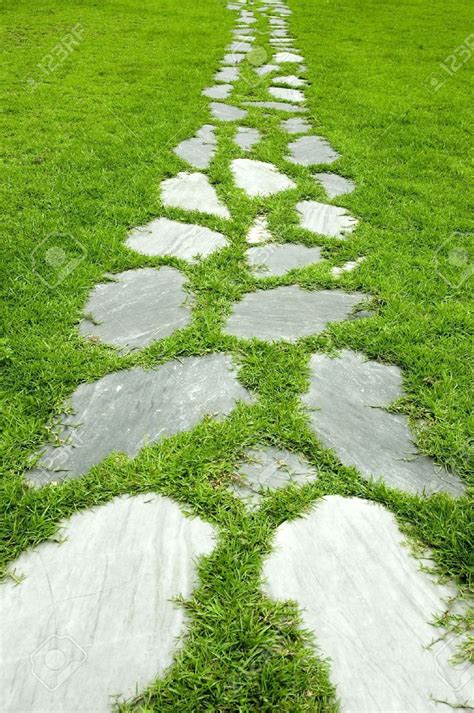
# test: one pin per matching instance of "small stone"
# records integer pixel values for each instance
(244, 31)
(259, 231)
(221, 91)
(226, 112)
(347, 267)
(323, 219)
(172, 238)
(233, 58)
(199, 150)
(258, 178)
(192, 191)
(246, 138)
(290, 79)
(265, 69)
(295, 126)
(227, 74)
(274, 260)
(239, 46)
(278, 106)
(290, 95)
(334, 185)
(283, 57)
(309, 150)
(279, 33)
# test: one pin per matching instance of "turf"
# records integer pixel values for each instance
(85, 148)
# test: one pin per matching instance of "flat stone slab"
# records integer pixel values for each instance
(347, 400)
(290, 80)
(239, 46)
(192, 191)
(244, 31)
(94, 616)
(233, 58)
(269, 468)
(278, 106)
(128, 409)
(137, 308)
(227, 74)
(274, 260)
(226, 112)
(369, 605)
(259, 231)
(246, 137)
(290, 95)
(309, 150)
(295, 126)
(164, 237)
(324, 219)
(334, 185)
(258, 178)
(199, 150)
(283, 57)
(289, 313)
(220, 91)
(265, 69)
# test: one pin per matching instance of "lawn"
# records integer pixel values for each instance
(95, 96)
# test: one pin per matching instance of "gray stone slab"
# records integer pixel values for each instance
(274, 260)
(296, 126)
(278, 106)
(233, 58)
(284, 57)
(259, 232)
(258, 178)
(239, 46)
(347, 400)
(279, 33)
(289, 95)
(289, 313)
(220, 91)
(226, 112)
(127, 409)
(95, 616)
(324, 219)
(370, 607)
(246, 137)
(192, 191)
(199, 150)
(347, 267)
(247, 20)
(265, 69)
(137, 308)
(227, 74)
(269, 469)
(164, 237)
(309, 150)
(290, 79)
(244, 31)
(334, 185)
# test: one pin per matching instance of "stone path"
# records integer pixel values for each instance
(103, 598)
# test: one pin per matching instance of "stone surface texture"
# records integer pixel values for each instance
(259, 231)
(278, 106)
(290, 95)
(227, 74)
(226, 112)
(192, 191)
(220, 91)
(324, 219)
(199, 150)
(309, 150)
(283, 57)
(265, 69)
(246, 137)
(274, 260)
(258, 178)
(334, 185)
(296, 126)
(289, 79)
(164, 237)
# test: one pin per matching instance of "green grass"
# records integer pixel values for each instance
(84, 153)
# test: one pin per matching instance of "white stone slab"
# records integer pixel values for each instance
(258, 178)
(289, 313)
(289, 79)
(246, 137)
(289, 95)
(347, 400)
(278, 106)
(239, 46)
(284, 57)
(244, 31)
(259, 231)
(192, 191)
(274, 260)
(94, 616)
(221, 91)
(233, 58)
(199, 150)
(369, 606)
(335, 185)
(279, 33)
(265, 69)
(296, 126)
(166, 237)
(137, 308)
(347, 267)
(128, 409)
(309, 150)
(227, 74)
(324, 219)
(226, 112)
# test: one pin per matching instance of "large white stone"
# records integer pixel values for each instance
(233, 58)
(334, 185)
(192, 191)
(239, 46)
(283, 57)
(94, 616)
(171, 238)
(220, 91)
(246, 137)
(227, 74)
(226, 112)
(199, 150)
(290, 95)
(290, 80)
(274, 260)
(265, 69)
(370, 606)
(324, 219)
(309, 150)
(258, 178)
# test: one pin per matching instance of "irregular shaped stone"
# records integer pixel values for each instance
(334, 185)
(310, 150)
(171, 238)
(269, 468)
(246, 138)
(128, 409)
(226, 112)
(95, 616)
(347, 398)
(221, 91)
(240, 35)
(290, 79)
(274, 260)
(233, 58)
(227, 74)
(289, 95)
(324, 219)
(295, 126)
(137, 308)
(265, 69)
(239, 46)
(259, 231)
(369, 605)
(248, 20)
(258, 178)
(283, 57)
(244, 31)
(192, 191)
(347, 267)
(289, 313)
(279, 106)
(279, 33)
(199, 150)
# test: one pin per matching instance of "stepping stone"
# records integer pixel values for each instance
(137, 308)
(290, 79)
(244, 31)
(192, 191)
(347, 267)
(258, 178)
(347, 398)
(279, 33)
(259, 231)
(295, 126)
(283, 57)
(274, 260)
(242, 37)
(269, 468)
(226, 112)
(334, 185)
(309, 150)
(227, 74)
(233, 58)
(289, 95)
(265, 69)
(128, 409)
(171, 238)
(246, 138)
(278, 106)
(95, 616)
(221, 91)
(247, 20)
(199, 150)
(369, 605)
(289, 313)
(328, 220)
(239, 46)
